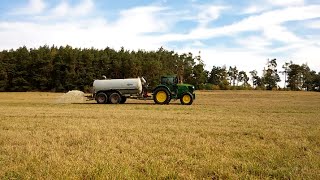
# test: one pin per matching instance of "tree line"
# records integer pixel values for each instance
(62, 68)
(297, 77)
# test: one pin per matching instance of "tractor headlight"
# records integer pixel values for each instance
(191, 88)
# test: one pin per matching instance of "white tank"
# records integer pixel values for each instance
(125, 86)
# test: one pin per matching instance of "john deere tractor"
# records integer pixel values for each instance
(170, 89)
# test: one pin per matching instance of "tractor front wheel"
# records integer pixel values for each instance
(186, 99)
(161, 96)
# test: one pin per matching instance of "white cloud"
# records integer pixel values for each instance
(254, 43)
(141, 20)
(84, 8)
(255, 8)
(95, 32)
(286, 3)
(313, 24)
(309, 55)
(261, 6)
(33, 7)
(280, 33)
(253, 23)
(198, 44)
(209, 13)
(64, 9)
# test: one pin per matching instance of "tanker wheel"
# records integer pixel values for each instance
(186, 99)
(101, 98)
(161, 96)
(115, 98)
(123, 100)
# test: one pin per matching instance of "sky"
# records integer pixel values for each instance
(225, 32)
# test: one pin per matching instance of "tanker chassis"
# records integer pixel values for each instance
(117, 91)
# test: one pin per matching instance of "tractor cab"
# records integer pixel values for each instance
(169, 80)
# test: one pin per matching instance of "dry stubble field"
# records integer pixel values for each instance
(224, 134)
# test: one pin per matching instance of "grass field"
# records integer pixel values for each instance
(224, 134)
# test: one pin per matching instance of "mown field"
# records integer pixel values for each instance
(223, 135)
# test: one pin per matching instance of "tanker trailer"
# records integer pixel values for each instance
(116, 91)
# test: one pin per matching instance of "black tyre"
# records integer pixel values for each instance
(114, 98)
(161, 96)
(101, 98)
(186, 99)
(123, 100)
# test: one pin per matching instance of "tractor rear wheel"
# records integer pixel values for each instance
(161, 96)
(101, 98)
(186, 99)
(114, 98)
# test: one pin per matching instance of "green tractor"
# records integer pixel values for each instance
(171, 89)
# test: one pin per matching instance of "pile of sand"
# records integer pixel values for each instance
(73, 96)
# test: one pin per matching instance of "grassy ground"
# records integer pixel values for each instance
(224, 134)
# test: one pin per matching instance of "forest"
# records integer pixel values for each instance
(60, 69)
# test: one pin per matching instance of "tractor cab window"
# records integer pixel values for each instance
(169, 80)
